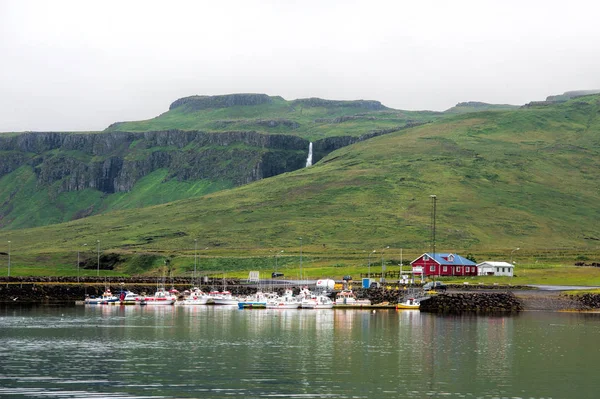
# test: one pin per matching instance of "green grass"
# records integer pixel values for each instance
(504, 179)
(313, 122)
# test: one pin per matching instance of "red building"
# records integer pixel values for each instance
(443, 265)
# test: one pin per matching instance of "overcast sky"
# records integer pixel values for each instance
(82, 65)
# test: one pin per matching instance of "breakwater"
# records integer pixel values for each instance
(489, 302)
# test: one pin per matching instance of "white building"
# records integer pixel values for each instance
(490, 268)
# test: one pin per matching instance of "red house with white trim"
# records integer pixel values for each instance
(443, 265)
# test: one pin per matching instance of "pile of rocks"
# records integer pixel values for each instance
(587, 301)
(472, 302)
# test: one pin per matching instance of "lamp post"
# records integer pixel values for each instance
(195, 258)
(383, 265)
(78, 249)
(369, 275)
(98, 264)
(301, 258)
(511, 255)
(8, 258)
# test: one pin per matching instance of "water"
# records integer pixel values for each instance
(214, 352)
(310, 155)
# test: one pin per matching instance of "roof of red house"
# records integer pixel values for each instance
(447, 259)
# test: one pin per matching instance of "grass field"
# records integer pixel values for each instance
(504, 179)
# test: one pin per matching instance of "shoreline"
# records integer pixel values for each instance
(457, 299)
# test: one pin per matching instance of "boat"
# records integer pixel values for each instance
(130, 298)
(194, 297)
(256, 301)
(106, 298)
(314, 301)
(410, 303)
(347, 297)
(161, 297)
(222, 298)
(285, 301)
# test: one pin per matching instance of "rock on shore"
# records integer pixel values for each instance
(472, 302)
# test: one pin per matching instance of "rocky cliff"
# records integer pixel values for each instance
(114, 162)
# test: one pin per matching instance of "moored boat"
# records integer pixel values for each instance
(347, 297)
(317, 302)
(194, 297)
(410, 303)
(106, 298)
(223, 298)
(161, 297)
(286, 301)
(130, 298)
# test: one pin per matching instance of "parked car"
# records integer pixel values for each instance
(347, 278)
(275, 275)
(435, 285)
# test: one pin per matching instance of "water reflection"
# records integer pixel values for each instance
(211, 351)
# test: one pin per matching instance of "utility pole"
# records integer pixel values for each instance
(98, 251)
(433, 215)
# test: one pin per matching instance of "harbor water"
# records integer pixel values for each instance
(222, 352)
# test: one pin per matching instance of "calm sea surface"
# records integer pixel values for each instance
(215, 352)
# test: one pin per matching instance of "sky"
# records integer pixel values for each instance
(82, 65)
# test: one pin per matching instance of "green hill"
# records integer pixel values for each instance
(311, 118)
(504, 179)
(201, 145)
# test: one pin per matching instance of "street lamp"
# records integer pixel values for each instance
(85, 245)
(369, 257)
(195, 258)
(301, 258)
(511, 255)
(9, 259)
(383, 265)
(98, 265)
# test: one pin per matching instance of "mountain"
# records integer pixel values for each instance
(201, 145)
(503, 179)
(477, 106)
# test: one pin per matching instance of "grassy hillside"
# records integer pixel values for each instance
(311, 119)
(504, 179)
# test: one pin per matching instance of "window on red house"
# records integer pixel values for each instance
(458, 269)
(431, 268)
(445, 269)
(467, 269)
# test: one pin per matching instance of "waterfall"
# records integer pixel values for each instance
(309, 159)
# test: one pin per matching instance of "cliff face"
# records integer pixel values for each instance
(114, 162)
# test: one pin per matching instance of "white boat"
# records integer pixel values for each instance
(194, 297)
(223, 298)
(106, 298)
(316, 301)
(161, 297)
(130, 298)
(347, 297)
(286, 301)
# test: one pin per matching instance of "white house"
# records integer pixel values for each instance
(490, 268)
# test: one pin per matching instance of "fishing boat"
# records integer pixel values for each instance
(285, 301)
(194, 297)
(223, 298)
(130, 298)
(161, 297)
(106, 298)
(347, 297)
(410, 303)
(317, 302)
